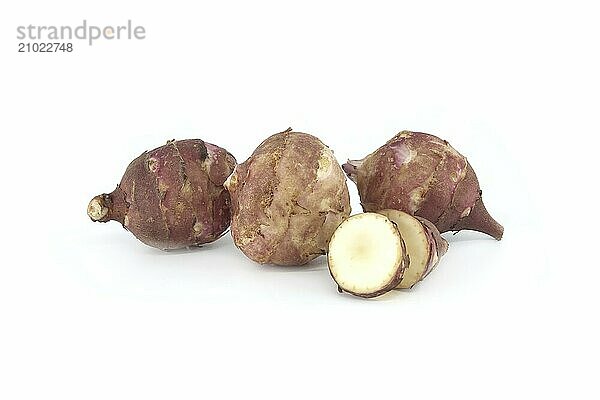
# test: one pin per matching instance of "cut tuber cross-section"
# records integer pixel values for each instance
(367, 256)
(373, 253)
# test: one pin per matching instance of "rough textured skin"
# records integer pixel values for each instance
(423, 175)
(173, 196)
(438, 246)
(287, 200)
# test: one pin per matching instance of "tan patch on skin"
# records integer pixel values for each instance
(246, 240)
(416, 198)
(152, 164)
(186, 189)
(162, 188)
(231, 181)
(325, 164)
(458, 176)
(466, 212)
(208, 161)
(133, 190)
(179, 208)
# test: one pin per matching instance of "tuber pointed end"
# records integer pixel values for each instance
(350, 168)
(481, 221)
(98, 209)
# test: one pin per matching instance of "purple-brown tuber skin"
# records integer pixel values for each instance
(287, 199)
(423, 175)
(439, 246)
(173, 196)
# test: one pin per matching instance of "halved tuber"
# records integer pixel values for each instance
(423, 175)
(367, 256)
(171, 197)
(287, 199)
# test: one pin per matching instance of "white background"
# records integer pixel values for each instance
(87, 312)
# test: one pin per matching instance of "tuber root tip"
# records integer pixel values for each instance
(480, 220)
(97, 209)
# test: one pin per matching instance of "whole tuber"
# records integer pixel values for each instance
(287, 199)
(423, 175)
(171, 197)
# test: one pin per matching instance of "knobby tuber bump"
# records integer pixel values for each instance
(423, 175)
(287, 199)
(424, 245)
(367, 256)
(171, 197)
